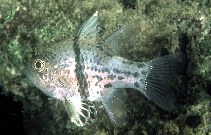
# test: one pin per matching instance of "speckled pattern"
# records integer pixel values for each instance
(77, 71)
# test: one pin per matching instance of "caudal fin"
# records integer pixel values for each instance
(161, 72)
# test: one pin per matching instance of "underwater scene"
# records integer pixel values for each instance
(106, 67)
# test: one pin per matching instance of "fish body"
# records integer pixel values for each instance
(78, 72)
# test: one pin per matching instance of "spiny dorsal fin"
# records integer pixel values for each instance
(87, 33)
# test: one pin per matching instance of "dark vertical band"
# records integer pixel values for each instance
(79, 69)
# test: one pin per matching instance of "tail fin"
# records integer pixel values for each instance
(161, 72)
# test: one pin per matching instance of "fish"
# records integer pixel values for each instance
(79, 72)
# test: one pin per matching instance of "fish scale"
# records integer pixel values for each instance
(113, 70)
(80, 71)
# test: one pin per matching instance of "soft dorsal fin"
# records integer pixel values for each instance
(87, 33)
(120, 40)
(116, 108)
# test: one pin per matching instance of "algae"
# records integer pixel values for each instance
(164, 26)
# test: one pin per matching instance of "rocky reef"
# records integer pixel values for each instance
(164, 26)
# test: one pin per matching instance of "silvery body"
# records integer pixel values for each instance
(78, 72)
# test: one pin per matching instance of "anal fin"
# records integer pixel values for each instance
(116, 108)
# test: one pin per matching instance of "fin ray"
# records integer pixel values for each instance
(161, 72)
(87, 33)
(80, 112)
(116, 43)
(116, 107)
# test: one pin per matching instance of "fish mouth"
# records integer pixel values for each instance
(36, 80)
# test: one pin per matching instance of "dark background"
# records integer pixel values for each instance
(11, 119)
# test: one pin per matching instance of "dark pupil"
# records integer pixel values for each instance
(38, 65)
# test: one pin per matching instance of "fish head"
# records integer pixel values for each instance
(52, 70)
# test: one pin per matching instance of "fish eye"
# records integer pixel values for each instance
(39, 65)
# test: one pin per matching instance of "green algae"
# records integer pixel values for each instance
(164, 26)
